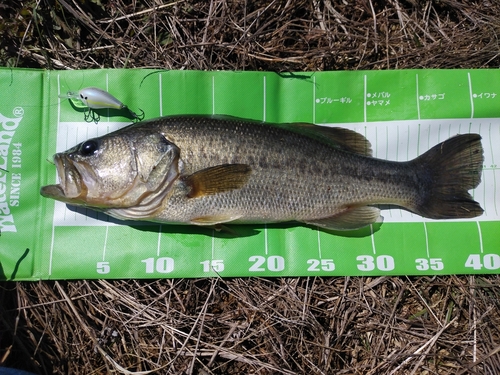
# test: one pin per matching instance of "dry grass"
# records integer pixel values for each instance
(251, 35)
(387, 325)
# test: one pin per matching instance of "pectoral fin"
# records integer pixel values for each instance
(350, 219)
(218, 179)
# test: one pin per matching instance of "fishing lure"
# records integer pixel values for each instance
(95, 98)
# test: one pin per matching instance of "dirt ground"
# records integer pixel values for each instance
(323, 325)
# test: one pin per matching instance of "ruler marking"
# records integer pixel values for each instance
(160, 87)
(319, 244)
(418, 97)
(418, 139)
(495, 192)
(107, 89)
(479, 132)
(429, 137)
(426, 240)
(364, 96)
(158, 246)
(481, 248)
(373, 240)
(266, 249)
(213, 95)
(397, 159)
(51, 255)
(264, 104)
(387, 150)
(58, 101)
(213, 243)
(471, 96)
(397, 143)
(105, 243)
(408, 136)
(495, 204)
(314, 100)
(387, 142)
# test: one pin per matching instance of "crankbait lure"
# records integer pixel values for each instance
(95, 98)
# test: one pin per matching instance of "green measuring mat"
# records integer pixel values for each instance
(402, 113)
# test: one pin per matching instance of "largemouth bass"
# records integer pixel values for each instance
(208, 170)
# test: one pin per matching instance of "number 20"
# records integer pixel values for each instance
(275, 263)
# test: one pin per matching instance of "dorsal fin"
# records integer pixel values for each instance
(340, 138)
(344, 139)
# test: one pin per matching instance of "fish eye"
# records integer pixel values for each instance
(89, 148)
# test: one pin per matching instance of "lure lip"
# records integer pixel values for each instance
(74, 99)
(69, 95)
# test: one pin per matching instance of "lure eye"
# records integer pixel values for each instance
(89, 148)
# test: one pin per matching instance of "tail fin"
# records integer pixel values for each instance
(448, 171)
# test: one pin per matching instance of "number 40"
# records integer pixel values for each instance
(488, 261)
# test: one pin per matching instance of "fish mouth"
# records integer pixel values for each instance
(71, 188)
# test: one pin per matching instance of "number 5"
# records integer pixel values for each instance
(103, 268)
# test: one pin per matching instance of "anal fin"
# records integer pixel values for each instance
(350, 219)
(214, 219)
